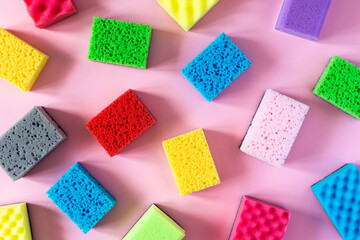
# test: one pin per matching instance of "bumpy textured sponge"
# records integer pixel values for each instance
(84, 200)
(118, 42)
(187, 12)
(216, 67)
(259, 220)
(155, 225)
(274, 128)
(20, 63)
(121, 122)
(14, 222)
(303, 18)
(339, 195)
(47, 12)
(191, 162)
(340, 85)
(27, 142)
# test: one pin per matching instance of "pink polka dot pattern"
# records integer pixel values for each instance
(274, 128)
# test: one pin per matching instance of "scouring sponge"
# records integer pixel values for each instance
(84, 200)
(155, 225)
(340, 86)
(20, 63)
(191, 162)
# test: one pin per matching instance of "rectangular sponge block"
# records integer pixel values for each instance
(121, 122)
(274, 128)
(340, 85)
(118, 42)
(187, 12)
(339, 195)
(14, 222)
(84, 200)
(303, 18)
(216, 67)
(155, 225)
(191, 162)
(26, 143)
(20, 63)
(259, 220)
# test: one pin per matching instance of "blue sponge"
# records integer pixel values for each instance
(84, 200)
(339, 195)
(216, 67)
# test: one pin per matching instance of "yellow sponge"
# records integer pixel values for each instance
(14, 222)
(187, 12)
(20, 63)
(191, 162)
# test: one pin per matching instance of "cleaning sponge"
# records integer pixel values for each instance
(259, 220)
(191, 162)
(340, 85)
(14, 222)
(118, 42)
(274, 128)
(47, 12)
(20, 63)
(84, 200)
(155, 225)
(26, 143)
(216, 67)
(187, 12)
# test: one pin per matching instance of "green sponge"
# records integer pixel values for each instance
(340, 85)
(155, 225)
(118, 42)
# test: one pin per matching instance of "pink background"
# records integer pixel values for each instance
(74, 89)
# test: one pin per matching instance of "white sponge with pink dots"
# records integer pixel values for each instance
(274, 128)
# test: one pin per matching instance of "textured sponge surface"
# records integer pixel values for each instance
(118, 42)
(47, 12)
(187, 12)
(340, 85)
(26, 143)
(216, 67)
(155, 225)
(274, 128)
(84, 200)
(339, 195)
(303, 18)
(191, 162)
(20, 63)
(121, 122)
(14, 222)
(259, 220)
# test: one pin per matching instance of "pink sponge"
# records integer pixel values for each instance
(259, 220)
(47, 12)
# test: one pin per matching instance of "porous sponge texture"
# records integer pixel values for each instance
(84, 200)
(340, 86)
(339, 195)
(20, 63)
(187, 12)
(47, 12)
(191, 162)
(259, 220)
(155, 225)
(216, 67)
(303, 18)
(118, 42)
(29, 141)
(274, 128)
(121, 122)
(14, 222)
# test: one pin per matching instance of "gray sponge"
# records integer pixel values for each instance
(27, 142)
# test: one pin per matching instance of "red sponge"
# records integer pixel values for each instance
(121, 122)
(259, 220)
(47, 12)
